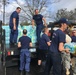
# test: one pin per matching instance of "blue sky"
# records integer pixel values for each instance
(69, 4)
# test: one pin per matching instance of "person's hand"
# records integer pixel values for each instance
(45, 25)
(14, 27)
(67, 50)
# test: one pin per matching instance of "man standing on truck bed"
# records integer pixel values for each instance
(24, 42)
(13, 24)
(38, 19)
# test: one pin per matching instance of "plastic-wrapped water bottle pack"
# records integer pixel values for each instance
(71, 46)
(31, 32)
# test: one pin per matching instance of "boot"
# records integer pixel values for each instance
(43, 64)
(21, 73)
(67, 72)
(27, 73)
(39, 68)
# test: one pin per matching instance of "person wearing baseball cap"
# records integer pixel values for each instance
(57, 46)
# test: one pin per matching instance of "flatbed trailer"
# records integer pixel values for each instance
(10, 54)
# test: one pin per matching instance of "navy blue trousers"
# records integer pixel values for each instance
(25, 60)
(38, 31)
(53, 60)
(13, 36)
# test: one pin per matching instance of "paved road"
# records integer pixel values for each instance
(15, 70)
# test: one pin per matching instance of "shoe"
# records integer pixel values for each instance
(15, 44)
(41, 70)
(27, 73)
(11, 44)
(21, 73)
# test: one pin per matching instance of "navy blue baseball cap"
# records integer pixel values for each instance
(64, 20)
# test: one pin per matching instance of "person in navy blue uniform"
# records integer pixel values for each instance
(74, 36)
(13, 24)
(38, 19)
(44, 44)
(57, 46)
(24, 43)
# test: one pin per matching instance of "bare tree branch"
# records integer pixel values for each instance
(30, 5)
(23, 9)
(70, 15)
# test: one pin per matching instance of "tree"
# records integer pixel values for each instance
(3, 4)
(70, 15)
(28, 8)
(30, 5)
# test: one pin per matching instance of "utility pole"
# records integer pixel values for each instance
(4, 2)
